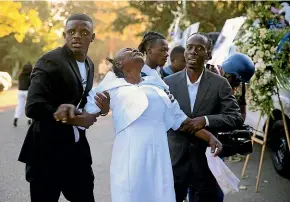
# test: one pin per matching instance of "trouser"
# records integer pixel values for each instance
(70, 175)
(216, 195)
(195, 195)
(199, 184)
(22, 95)
(76, 184)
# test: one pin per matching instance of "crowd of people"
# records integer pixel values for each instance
(164, 118)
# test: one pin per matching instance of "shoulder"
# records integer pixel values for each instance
(53, 55)
(173, 77)
(51, 61)
(215, 78)
(48, 62)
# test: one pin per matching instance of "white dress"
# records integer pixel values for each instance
(141, 168)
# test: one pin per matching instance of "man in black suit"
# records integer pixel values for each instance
(207, 98)
(57, 154)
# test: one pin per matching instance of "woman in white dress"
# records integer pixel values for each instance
(140, 168)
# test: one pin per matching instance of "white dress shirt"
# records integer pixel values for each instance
(83, 72)
(192, 92)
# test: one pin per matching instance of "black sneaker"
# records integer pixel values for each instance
(15, 122)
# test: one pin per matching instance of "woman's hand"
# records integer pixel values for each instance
(103, 102)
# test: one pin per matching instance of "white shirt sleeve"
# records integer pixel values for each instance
(91, 107)
(178, 115)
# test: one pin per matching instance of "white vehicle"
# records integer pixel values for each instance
(277, 138)
(5, 81)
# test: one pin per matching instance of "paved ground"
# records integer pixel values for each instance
(13, 187)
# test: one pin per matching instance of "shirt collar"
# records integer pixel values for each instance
(146, 69)
(150, 72)
(196, 82)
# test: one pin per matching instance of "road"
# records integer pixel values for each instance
(14, 188)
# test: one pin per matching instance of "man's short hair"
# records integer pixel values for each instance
(80, 16)
(209, 41)
(176, 50)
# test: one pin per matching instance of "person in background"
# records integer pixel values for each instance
(23, 85)
(177, 61)
(155, 48)
(238, 70)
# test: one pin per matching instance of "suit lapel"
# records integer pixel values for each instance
(90, 75)
(76, 70)
(202, 90)
(182, 91)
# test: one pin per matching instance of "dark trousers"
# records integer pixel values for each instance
(199, 184)
(195, 195)
(68, 172)
(47, 183)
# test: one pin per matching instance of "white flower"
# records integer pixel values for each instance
(255, 58)
(267, 53)
(260, 98)
(251, 52)
(263, 66)
(263, 33)
(260, 65)
(260, 53)
(260, 60)
(273, 49)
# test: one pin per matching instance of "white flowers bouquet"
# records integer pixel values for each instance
(260, 44)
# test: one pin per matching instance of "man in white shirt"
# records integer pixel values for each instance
(57, 154)
(207, 99)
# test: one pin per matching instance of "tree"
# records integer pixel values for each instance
(14, 21)
(29, 29)
(43, 24)
(211, 14)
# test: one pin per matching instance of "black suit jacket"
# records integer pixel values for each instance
(55, 80)
(214, 99)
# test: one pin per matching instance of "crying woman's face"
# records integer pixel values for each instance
(128, 59)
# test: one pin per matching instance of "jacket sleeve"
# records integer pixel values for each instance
(229, 116)
(40, 94)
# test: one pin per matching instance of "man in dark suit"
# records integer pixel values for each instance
(57, 154)
(207, 98)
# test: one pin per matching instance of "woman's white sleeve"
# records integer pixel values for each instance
(178, 115)
(91, 107)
